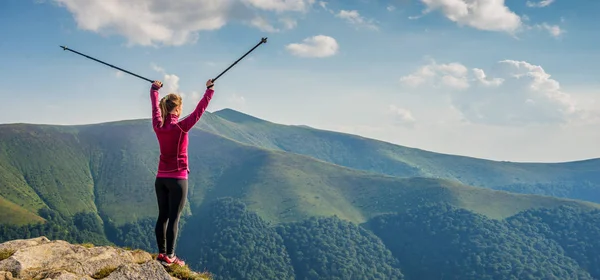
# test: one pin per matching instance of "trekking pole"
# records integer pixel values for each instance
(262, 41)
(67, 49)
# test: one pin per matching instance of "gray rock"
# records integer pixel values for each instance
(43, 259)
(5, 275)
(62, 275)
(22, 243)
(56, 255)
(151, 270)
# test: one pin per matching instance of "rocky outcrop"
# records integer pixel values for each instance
(40, 258)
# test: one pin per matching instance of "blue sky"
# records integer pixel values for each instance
(503, 80)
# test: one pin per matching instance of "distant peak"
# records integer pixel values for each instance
(236, 116)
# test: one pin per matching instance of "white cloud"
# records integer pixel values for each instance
(288, 23)
(452, 75)
(316, 46)
(163, 22)
(554, 30)
(171, 85)
(391, 8)
(489, 15)
(455, 82)
(481, 77)
(401, 116)
(519, 94)
(158, 68)
(323, 5)
(281, 5)
(262, 24)
(541, 4)
(353, 17)
(119, 74)
(170, 81)
(481, 14)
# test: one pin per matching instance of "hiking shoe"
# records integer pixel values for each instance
(165, 260)
(160, 256)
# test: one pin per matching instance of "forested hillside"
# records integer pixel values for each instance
(428, 242)
(440, 241)
(233, 243)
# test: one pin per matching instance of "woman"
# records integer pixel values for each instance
(171, 180)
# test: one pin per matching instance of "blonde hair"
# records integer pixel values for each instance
(167, 104)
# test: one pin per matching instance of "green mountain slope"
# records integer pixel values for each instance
(95, 183)
(109, 169)
(577, 180)
(14, 214)
(45, 166)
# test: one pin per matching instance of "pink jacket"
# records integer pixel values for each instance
(173, 136)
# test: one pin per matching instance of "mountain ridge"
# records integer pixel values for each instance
(116, 164)
(574, 180)
(232, 115)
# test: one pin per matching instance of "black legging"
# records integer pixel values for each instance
(171, 195)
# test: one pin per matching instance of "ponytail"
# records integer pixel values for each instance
(163, 111)
(173, 100)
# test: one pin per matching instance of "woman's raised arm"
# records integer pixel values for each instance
(156, 119)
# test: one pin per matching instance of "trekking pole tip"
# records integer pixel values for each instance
(64, 48)
(263, 40)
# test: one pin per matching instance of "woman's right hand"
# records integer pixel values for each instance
(157, 84)
(209, 83)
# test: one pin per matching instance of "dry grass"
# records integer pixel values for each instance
(140, 256)
(87, 245)
(104, 272)
(185, 273)
(6, 253)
